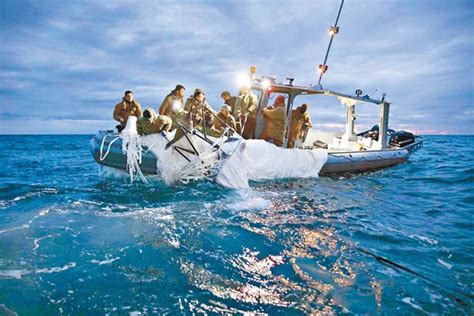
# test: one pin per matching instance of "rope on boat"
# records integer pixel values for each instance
(203, 165)
(102, 157)
(362, 158)
(131, 146)
(410, 149)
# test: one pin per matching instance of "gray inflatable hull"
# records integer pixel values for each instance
(337, 162)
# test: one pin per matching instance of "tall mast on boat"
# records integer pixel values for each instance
(333, 30)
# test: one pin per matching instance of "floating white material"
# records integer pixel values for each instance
(260, 160)
(250, 160)
(131, 146)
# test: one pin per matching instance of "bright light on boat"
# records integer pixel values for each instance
(243, 81)
(265, 84)
(322, 68)
(175, 106)
(333, 30)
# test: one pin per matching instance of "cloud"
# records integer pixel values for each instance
(71, 62)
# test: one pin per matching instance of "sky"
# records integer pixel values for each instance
(65, 64)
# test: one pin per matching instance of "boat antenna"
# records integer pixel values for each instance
(333, 30)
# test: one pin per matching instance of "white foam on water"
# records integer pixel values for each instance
(106, 261)
(445, 264)
(425, 239)
(36, 241)
(248, 200)
(29, 195)
(109, 172)
(12, 274)
(57, 269)
(255, 203)
(162, 213)
(410, 301)
(8, 230)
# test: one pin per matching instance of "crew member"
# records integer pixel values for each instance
(151, 123)
(125, 108)
(195, 111)
(300, 122)
(224, 118)
(173, 102)
(196, 108)
(248, 112)
(274, 130)
(232, 102)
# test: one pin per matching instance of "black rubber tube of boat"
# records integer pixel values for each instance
(388, 262)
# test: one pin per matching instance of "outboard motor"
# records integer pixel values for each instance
(401, 139)
(374, 133)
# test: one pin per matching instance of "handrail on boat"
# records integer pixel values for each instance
(411, 148)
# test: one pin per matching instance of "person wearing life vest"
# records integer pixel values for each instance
(125, 108)
(248, 112)
(150, 123)
(274, 129)
(232, 102)
(173, 105)
(224, 118)
(300, 121)
(196, 108)
(174, 101)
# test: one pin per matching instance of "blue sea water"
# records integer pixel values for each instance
(73, 241)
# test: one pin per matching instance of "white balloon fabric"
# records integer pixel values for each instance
(247, 159)
(257, 159)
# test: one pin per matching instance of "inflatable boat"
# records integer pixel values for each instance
(231, 160)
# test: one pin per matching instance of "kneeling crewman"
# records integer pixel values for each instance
(224, 119)
(150, 123)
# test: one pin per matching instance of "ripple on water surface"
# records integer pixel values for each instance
(75, 242)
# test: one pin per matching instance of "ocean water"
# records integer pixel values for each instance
(76, 241)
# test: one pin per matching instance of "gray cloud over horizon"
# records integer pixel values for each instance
(64, 67)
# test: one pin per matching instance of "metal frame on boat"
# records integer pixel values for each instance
(347, 152)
